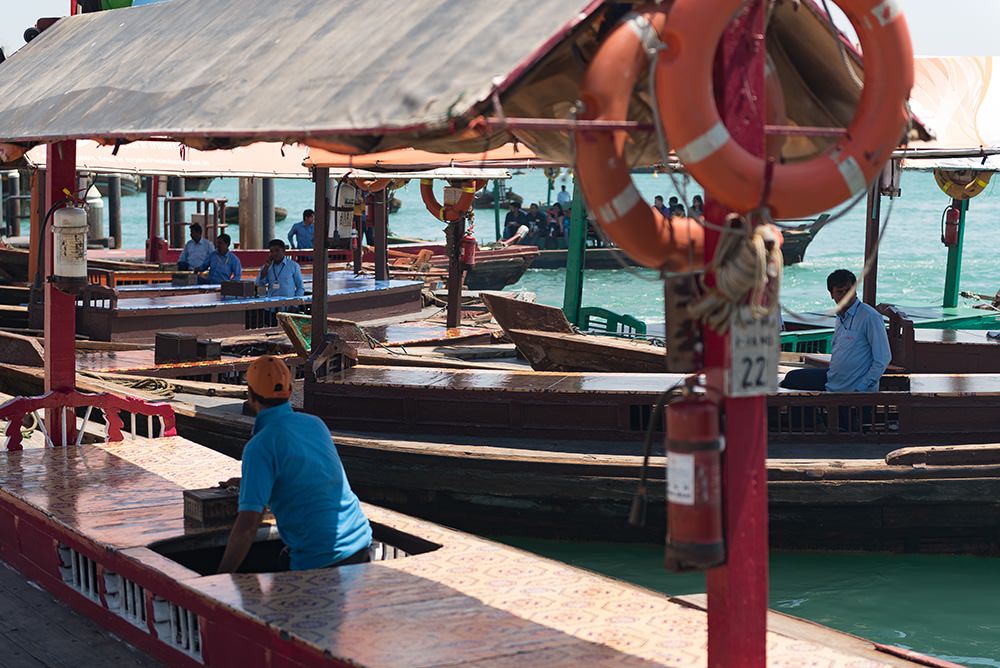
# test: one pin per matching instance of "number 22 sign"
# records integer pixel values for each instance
(754, 346)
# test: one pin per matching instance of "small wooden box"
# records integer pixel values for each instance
(183, 279)
(173, 347)
(209, 350)
(214, 505)
(238, 289)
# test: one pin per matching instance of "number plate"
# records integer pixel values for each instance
(754, 345)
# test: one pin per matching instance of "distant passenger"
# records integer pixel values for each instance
(222, 265)
(301, 234)
(514, 219)
(660, 206)
(196, 251)
(281, 276)
(564, 198)
(860, 346)
(676, 208)
(537, 224)
(697, 206)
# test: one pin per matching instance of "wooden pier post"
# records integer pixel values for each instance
(154, 242)
(176, 186)
(453, 246)
(321, 207)
(115, 210)
(250, 213)
(267, 204)
(381, 224)
(737, 591)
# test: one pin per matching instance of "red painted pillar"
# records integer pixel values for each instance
(737, 592)
(60, 308)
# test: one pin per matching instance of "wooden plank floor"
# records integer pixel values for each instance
(37, 631)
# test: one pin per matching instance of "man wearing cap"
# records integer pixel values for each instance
(292, 466)
(196, 251)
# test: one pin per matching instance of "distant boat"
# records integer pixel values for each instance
(484, 199)
(233, 214)
(198, 184)
(131, 185)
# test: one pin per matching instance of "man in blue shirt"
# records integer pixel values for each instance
(301, 234)
(221, 264)
(196, 251)
(292, 466)
(281, 276)
(860, 345)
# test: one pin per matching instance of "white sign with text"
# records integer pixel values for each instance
(754, 345)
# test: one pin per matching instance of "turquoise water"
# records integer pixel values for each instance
(945, 606)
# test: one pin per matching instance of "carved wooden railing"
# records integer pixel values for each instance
(65, 405)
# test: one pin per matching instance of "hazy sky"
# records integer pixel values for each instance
(935, 31)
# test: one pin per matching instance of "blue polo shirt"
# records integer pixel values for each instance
(301, 235)
(291, 465)
(222, 267)
(860, 350)
(283, 279)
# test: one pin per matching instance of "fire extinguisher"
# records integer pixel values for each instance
(469, 248)
(949, 225)
(694, 486)
(69, 253)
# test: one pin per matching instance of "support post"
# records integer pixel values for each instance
(496, 206)
(251, 226)
(14, 212)
(60, 308)
(358, 251)
(873, 219)
(454, 233)
(737, 591)
(548, 195)
(267, 204)
(177, 189)
(953, 273)
(154, 242)
(321, 206)
(573, 295)
(37, 212)
(115, 210)
(381, 224)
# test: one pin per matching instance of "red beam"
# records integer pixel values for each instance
(737, 592)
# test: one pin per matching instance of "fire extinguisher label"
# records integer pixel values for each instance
(680, 479)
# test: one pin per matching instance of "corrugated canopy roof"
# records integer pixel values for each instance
(509, 156)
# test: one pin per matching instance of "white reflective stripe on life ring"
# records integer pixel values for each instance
(851, 172)
(705, 145)
(622, 203)
(645, 31)
(887, 12)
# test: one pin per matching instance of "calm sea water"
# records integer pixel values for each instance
(945, 606)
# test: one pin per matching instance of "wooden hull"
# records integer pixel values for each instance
(551, 351)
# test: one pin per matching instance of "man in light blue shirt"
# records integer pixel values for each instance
(301, 234)
(222, 265)
(860, 346)
(196, 251)
(292, 466)
(281, 276)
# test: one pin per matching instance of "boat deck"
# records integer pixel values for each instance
(82, 521)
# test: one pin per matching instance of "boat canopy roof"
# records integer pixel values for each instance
(509, 156)
(366, 77)
(959, 100)
(265, 159)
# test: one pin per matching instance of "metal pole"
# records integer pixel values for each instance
(115, 210)
(14, 215)
(737, 591)
(548, 196)
(361, 224)
(454, 234)
(60, 308)
(873, 219)
(381, 224)
(153, 241)
(496, 206)
(573, 295)
(177, 189)
(321, 206)
(953, 274)
(267, 202)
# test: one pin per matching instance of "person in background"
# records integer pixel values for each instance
(537, 224)
(675, 207)
(196, 251)
(697, 206)
(222, 265)
(564, 199)
(860, 345)
(556, 220)
(291, 465)
(281, 275)
(660, 206)
(514, 219)
(301, 234)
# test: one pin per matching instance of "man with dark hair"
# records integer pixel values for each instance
(514, 219)
(660, 206)
(196, 251)
(281, 276)
(860, 345)
(301, 234)
(292, 466)
(221, 264)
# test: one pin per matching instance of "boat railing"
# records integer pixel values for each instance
(64, 407)
(811, 341)
(837, 415)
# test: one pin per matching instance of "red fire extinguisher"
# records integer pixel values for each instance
(694, 486)
(469, 248)
(949, 226)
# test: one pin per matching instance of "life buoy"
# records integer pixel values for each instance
(962, 183)
(605, 175)
(735, 176)
(453, 213)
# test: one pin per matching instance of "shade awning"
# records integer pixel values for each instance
(510, 156)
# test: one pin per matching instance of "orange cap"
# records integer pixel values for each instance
(270, 378)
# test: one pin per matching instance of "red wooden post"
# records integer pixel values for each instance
(60, 308)
(737, 592)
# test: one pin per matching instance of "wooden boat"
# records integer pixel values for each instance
(495, 268)
(513, 313)
(556, 351)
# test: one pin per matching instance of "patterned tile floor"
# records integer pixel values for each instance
(471, 602)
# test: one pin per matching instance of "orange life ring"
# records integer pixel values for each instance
(962, 183)
(731, 173)
(453, 213)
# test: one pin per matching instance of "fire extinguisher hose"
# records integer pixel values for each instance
(640, 500)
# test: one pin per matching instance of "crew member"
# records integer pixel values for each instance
(281, 275)
(196, 250)
(301, 234)
(291, 465)
(222, 265)
(564, 199)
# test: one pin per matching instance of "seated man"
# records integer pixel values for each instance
(291, 465)
(222, 265)
(196, 250)
(281, 276)
(860, 346)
